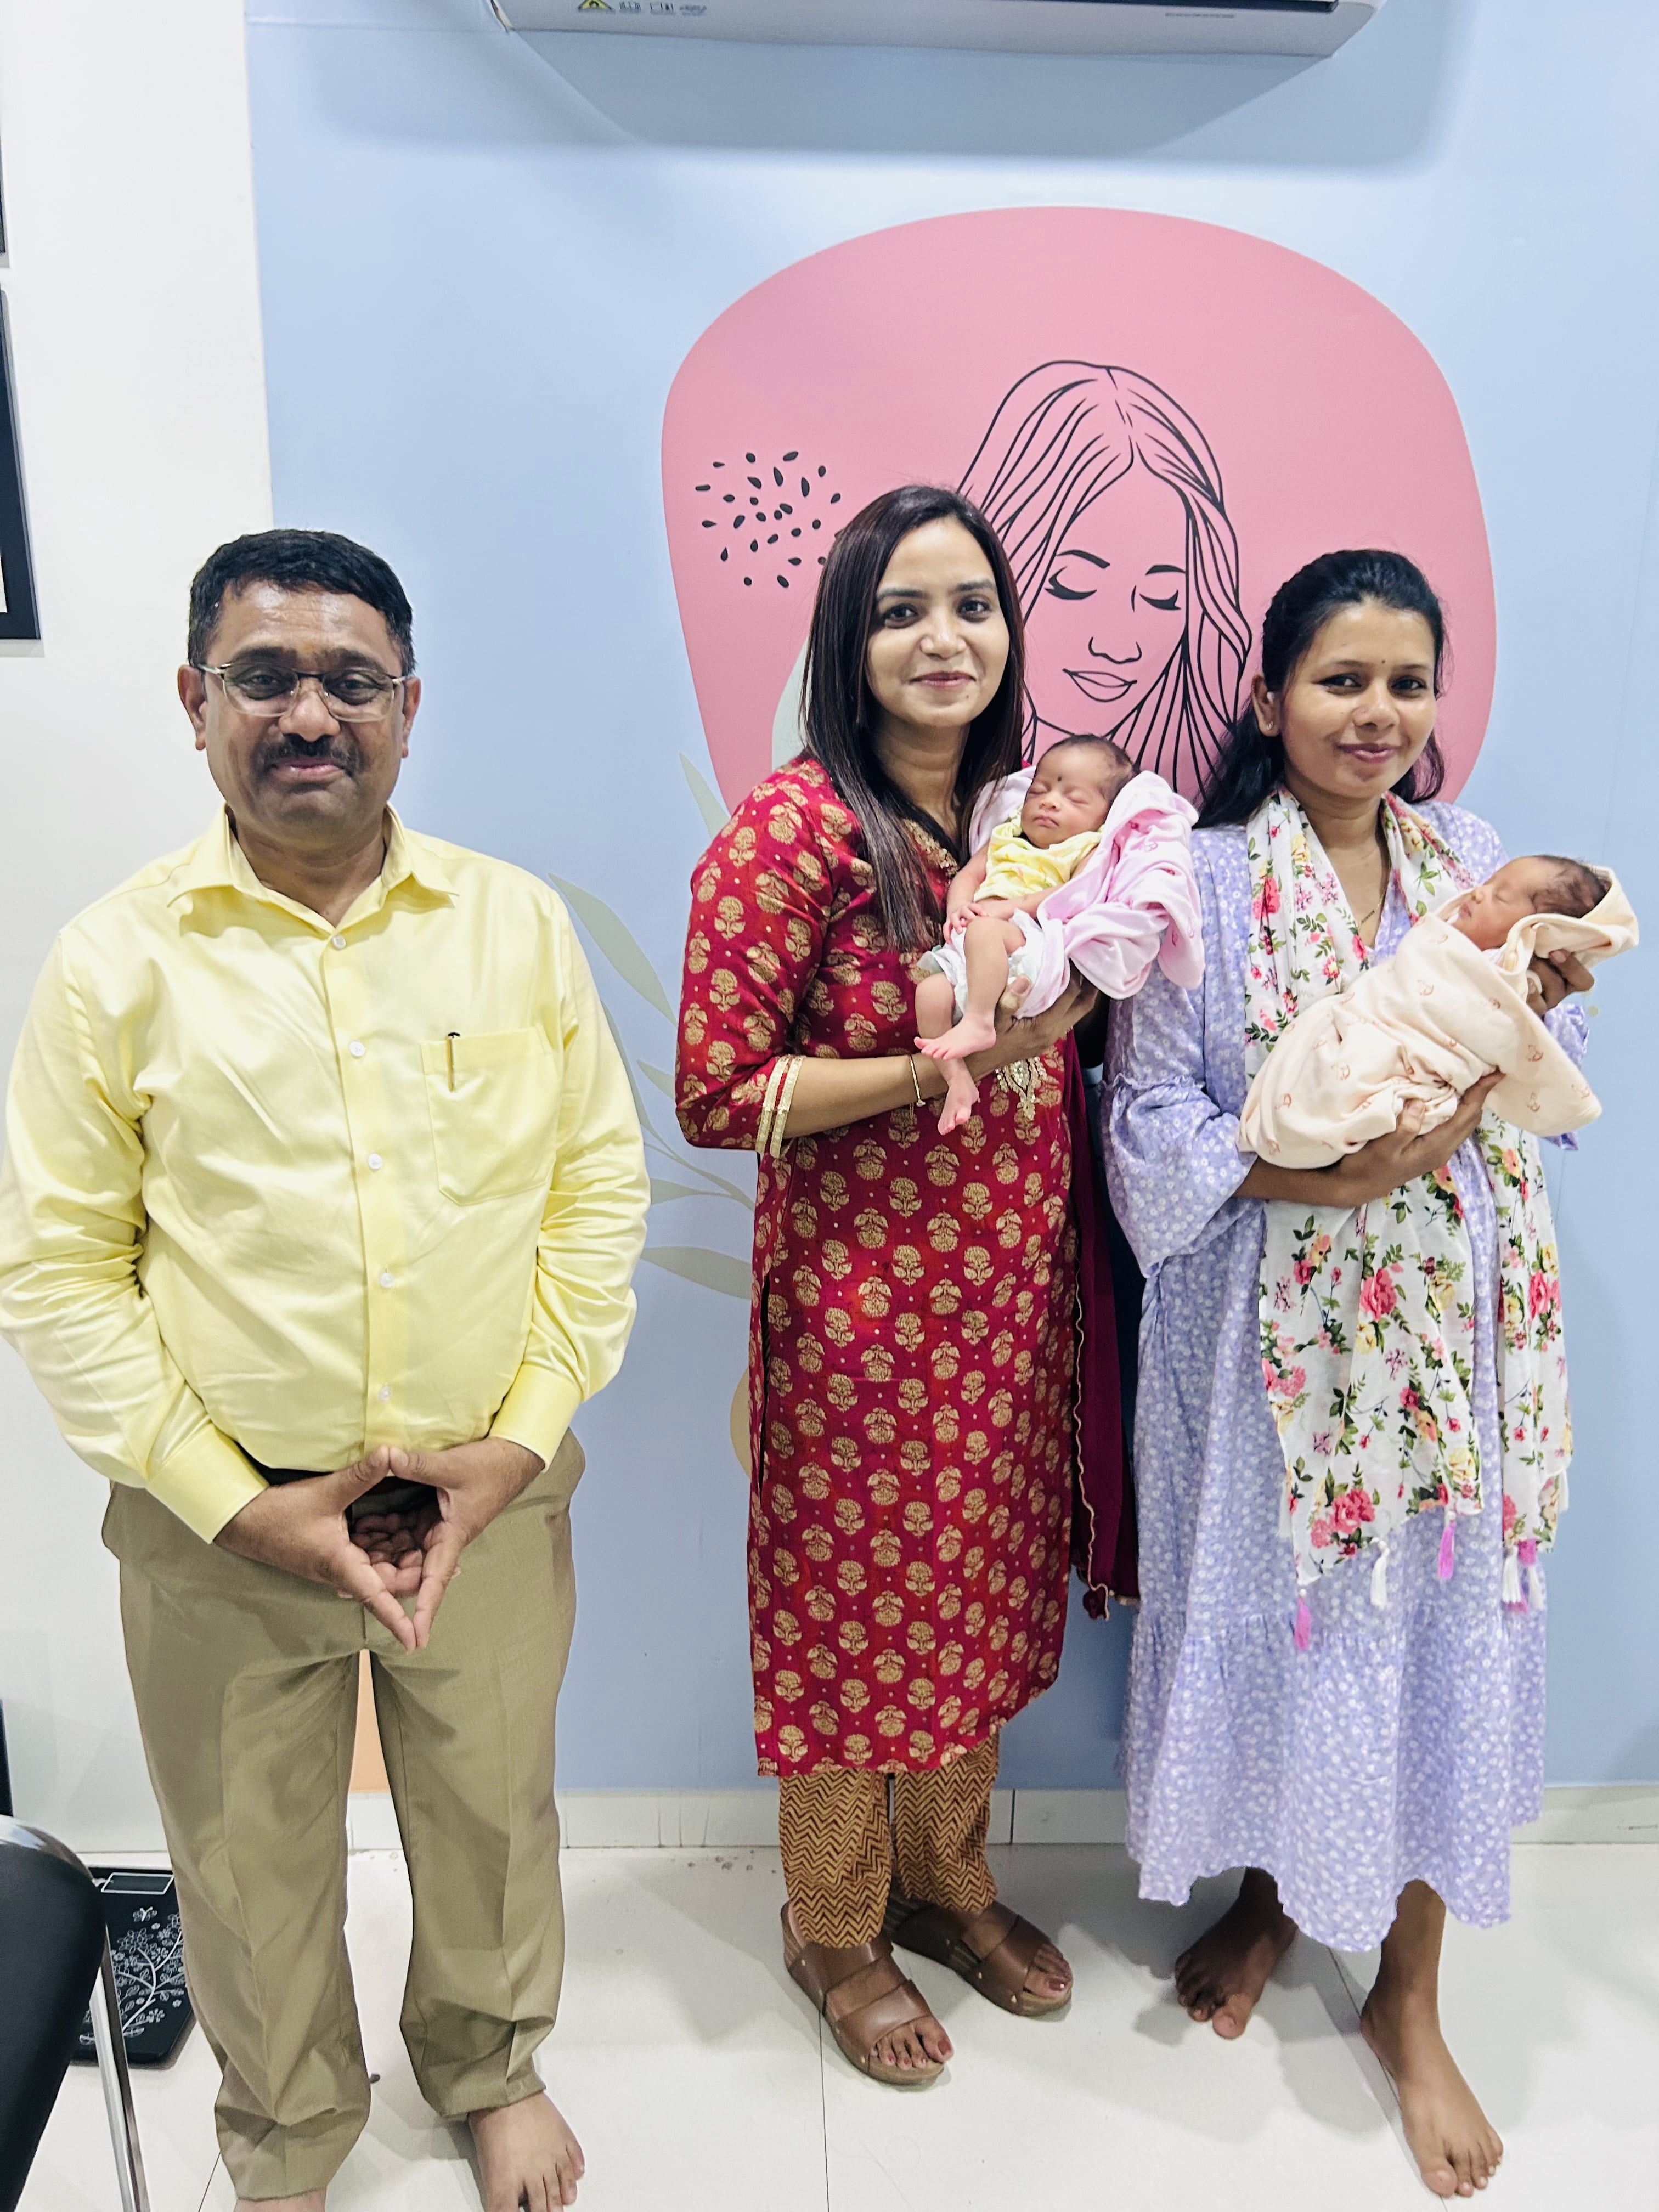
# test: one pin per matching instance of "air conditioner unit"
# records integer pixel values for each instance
(1050, 27)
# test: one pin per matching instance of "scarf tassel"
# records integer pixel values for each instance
(1448, 1559)
(1514, 1597)
(1303, 1625)
(1526, 1553)
(1523, 1578)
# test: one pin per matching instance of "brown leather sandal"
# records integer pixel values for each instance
(861, 1993)
(993, 1951)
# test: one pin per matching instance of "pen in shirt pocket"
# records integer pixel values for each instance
(449, 1050)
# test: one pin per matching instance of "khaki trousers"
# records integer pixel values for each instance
(245, 1681)
(842, 1854)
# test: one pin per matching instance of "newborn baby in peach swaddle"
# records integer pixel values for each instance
(1455, 1002)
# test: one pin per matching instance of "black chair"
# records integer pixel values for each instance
(54, 1960)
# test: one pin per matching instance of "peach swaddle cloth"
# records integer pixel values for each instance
(1426, 1024)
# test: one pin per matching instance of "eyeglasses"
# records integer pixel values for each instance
(351, 695)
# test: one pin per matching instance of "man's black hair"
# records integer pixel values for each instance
(298, 561)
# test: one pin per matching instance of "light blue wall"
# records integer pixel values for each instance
(483, 263)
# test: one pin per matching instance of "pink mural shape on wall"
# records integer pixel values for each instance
(1162, 419)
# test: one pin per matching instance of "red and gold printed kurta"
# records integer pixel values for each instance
(912, 1345)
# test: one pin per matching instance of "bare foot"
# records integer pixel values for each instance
(973, 1033)
(1456, 2147)
(913, 2045)
(1220, 1978)
(311, 2201)
(961, 1097)
(527, 2156)
(1049, 1976)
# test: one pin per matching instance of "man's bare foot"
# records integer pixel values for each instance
(1456, 2147)
(961, 1097)
(527, 2156)
(973, 1033)
(1220, 1978)
(312, 2201)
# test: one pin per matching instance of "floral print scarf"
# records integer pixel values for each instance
(1367, 1315)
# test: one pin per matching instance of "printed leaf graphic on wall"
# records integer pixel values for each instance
(715, 1271)
(617, 941)
(713, 814)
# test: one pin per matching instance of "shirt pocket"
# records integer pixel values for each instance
(494, 1102)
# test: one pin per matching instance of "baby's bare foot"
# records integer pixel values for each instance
(527, 2156)
(1220, 1978)
(1456, 2147)
(973, 1033)
(961, 1097)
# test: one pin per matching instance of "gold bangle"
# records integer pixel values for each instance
(780, 1119)
(769, 1103)
(915, 1080)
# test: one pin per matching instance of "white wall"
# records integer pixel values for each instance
(135, 328)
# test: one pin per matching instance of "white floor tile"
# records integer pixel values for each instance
(695, 2075)
(1124, 2098)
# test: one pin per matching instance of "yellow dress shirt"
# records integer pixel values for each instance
(307, 1188)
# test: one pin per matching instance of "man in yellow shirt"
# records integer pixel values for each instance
(322, 1178)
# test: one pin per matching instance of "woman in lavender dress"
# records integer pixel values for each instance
(1363, 1744)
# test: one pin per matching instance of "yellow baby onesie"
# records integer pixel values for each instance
(1015, 868)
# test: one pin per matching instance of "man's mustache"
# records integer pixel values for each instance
(344, 751)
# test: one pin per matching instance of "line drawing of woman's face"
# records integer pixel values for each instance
(1108, 502)
(1111, 612)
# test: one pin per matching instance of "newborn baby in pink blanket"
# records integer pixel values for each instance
(1079, 863)
(1455, 1002)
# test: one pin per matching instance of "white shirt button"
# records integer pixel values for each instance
(357, 1048)
(386, 1392)
(386, 1279)
(339, 943)
(375, 1161)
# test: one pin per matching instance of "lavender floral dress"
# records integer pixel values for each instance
(1407, 1741)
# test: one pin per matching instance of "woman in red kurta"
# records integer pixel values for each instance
(912, 1352)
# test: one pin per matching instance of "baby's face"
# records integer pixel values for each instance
(1491, 910)
(1071, 791)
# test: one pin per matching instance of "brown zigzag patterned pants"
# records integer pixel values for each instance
(841, 1854)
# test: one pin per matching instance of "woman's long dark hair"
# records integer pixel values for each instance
(842, 717)
(1252, 763)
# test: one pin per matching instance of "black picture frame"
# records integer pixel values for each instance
(20, 618)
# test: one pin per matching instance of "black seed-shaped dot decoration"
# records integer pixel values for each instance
(739, 522)
(822, 472)
(708, 525)
(726, 552)
(806, 487)
(795, 532)
(784, 581)
(822, 557)
(835, 499)
(754, 545)
(777, 477)
(773, 539)
(749, 458)
(817, 523)
(784, 508)
(717, 464)
(747, 580)
(794, 560)
(728, 497)
(756, 482)
(705, 486)
(795, 456)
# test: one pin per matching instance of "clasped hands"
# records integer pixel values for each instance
(390, 1554)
